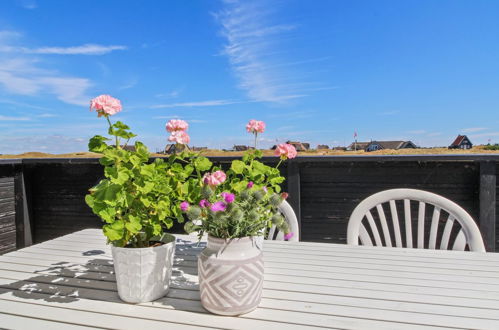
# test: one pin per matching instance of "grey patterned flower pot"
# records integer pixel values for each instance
(143, 274)
(230, 275)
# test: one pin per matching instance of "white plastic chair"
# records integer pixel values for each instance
(468, 235)
(290, 216)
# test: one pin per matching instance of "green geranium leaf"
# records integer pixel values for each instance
(97, 144)
(237, 166)
(141, 151)
(108, 193)
(89, 199)
(120, 125)
(107, 214)
(133, 224)
(114, 231)
(202, 163)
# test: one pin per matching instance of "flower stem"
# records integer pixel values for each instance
(111, 126)
(278, 164)
(256, 135)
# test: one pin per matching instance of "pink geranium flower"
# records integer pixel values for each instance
(285, 151)
(218, 206)
(284, 195)
(250, 185)
(175, 125)
(215, 178)
(180, 137)
(255, 126)
(105, 105)
(288, 236)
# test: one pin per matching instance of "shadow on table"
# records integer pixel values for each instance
(66, 282)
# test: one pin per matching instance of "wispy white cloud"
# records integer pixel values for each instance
(474, 129)
(24, 75)
(28, 4)
(251, 48)
(484, 135)
(435, 134)
(12, 118)
(130, 84)
(45, 143)
(209, 103)
(86, 49)
(47, 115)
(23, 105)
(171, 94)
(294, 115)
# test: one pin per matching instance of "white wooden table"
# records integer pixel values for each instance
(68, 283)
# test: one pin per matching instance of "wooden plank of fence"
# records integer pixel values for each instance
(488, 204)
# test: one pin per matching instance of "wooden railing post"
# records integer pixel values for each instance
(24, 235)
(488, 204)
(294, 198)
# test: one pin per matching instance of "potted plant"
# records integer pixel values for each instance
(138, 200)
(235, 208)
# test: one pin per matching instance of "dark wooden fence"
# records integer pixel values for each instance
(43, 198)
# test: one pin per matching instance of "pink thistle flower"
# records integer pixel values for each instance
(204, 203)
(228, 197)
(250, 185)
(288, 236)
(175, 125)
(105, 105)
(184, 206)
(218, 206)
(285, 151)
(255, 126)
(180, 137)
(215, 178)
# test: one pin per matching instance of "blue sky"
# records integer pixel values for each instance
(314, 71)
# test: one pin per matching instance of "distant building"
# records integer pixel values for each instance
(199, 148)
(171, 148)
(358, 146)
(322, 147)
(380, 145)
(461, 142)
(299, 146)
(241, 148)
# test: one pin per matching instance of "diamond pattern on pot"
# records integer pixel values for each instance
(231, 286)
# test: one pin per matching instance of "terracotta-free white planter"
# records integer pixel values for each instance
(230, 275)
(143, 274)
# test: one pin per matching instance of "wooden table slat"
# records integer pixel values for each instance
(69, 282)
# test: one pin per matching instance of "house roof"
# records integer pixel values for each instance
(459, 140)
(390, 144)
(383, 144)
(299, 146)
(360, 145)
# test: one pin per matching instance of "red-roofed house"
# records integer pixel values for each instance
(461, 142)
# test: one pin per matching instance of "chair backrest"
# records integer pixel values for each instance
(290, 216)
(457, 227)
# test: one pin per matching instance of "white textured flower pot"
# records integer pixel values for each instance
(230, 275)
(143, 274)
